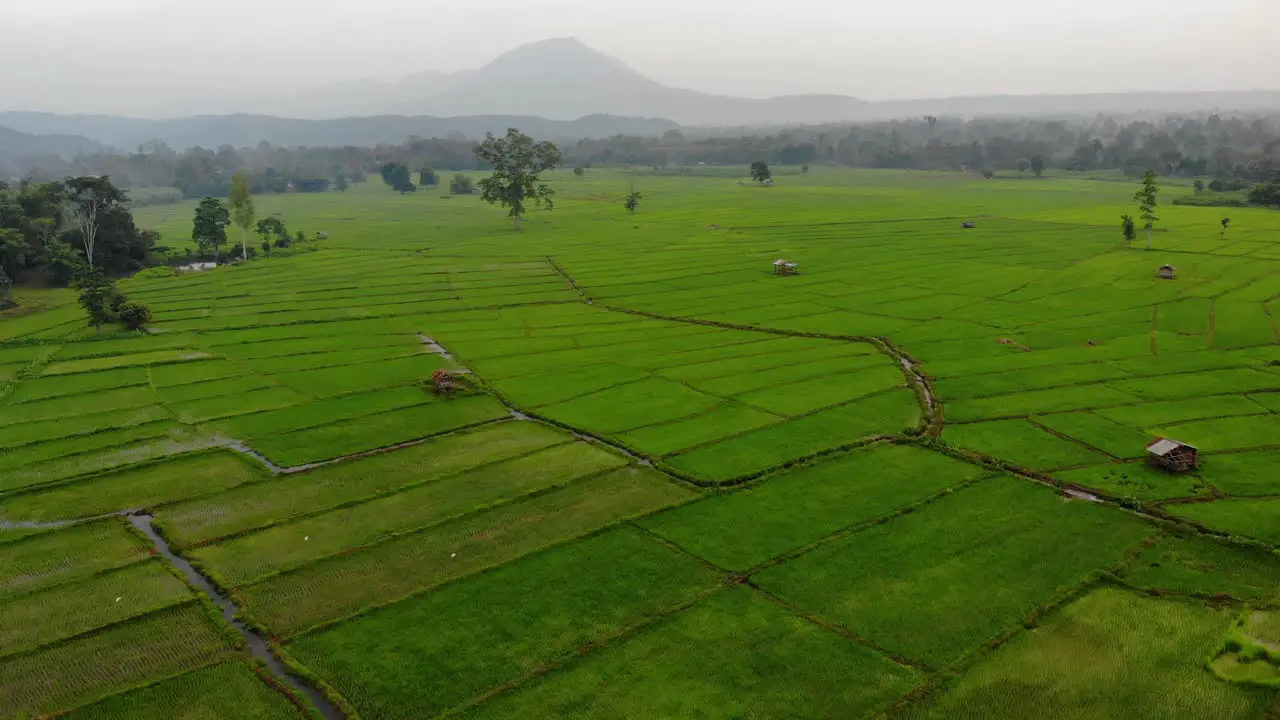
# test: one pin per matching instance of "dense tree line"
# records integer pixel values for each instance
(51, 231)
(1240, 151)
(1211, 145)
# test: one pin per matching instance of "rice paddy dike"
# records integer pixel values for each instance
(907, 482)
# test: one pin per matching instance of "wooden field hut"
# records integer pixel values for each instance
(785, 267)
(1173, 456)
(1167, 272)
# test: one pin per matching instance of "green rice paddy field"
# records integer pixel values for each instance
(907, 483)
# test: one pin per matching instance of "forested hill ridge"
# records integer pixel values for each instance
(561, 89)
(127, 134)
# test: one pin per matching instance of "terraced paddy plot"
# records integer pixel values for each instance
(782, 513)
(690, 665)
(481, 633)
(760, 450)
(121, 657)
(1136, 480)
(936, 584)
(134, 487)
(1080, 663)
(249, 557)
(379, 430)
(51, 558)
(270, 502)
(1201, 566)
(1257, 518)
(1232, 433)
(1023, 444)
(231, 689)
(43, 388)
(416, 562)
(70, 609)
(158, 357)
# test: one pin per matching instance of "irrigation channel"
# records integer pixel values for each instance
(257, 644)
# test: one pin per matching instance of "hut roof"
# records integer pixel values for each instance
(779, 261)
(1164, 446)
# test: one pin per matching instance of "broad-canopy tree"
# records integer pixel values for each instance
(517, 163)
(428, 178)
(760, 171)
(1037, 165)
(271, 227)
(397, 176)
(209, 229)
(1146, 199)
(38, 233)
(242, 212)
(633, 202)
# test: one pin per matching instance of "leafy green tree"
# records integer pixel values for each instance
(1023, 165)
(134, 315)
(300, 237)
(340, 182)
(97, 296)
(14, 251)
(1038, 165)
(427, 177)
(988, 173)
(271, 227)
(633, 202)
(242, 212)
(517, 163)
(209, 229)
(397, 176)
(461, 185)
(804, 169)
(1127, 227)
(1199, 186)
(266, 247)
(5, 285)
(1226, 223)
(1267, 193)
(579, 171)
(1147, 202)
(760, 171)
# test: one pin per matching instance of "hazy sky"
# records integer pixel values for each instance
(166, 57)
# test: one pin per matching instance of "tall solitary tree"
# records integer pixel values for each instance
(1127, 227)
(517, 163)
(760, 171)
(1146, 199)
(1037, 165)
(89, 200)
(242, 212)
(1226, 223)
(209, 229)
(632, 202)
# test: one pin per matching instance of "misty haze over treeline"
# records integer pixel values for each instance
(1209, 145)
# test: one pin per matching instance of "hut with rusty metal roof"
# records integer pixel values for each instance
(1173, 456)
